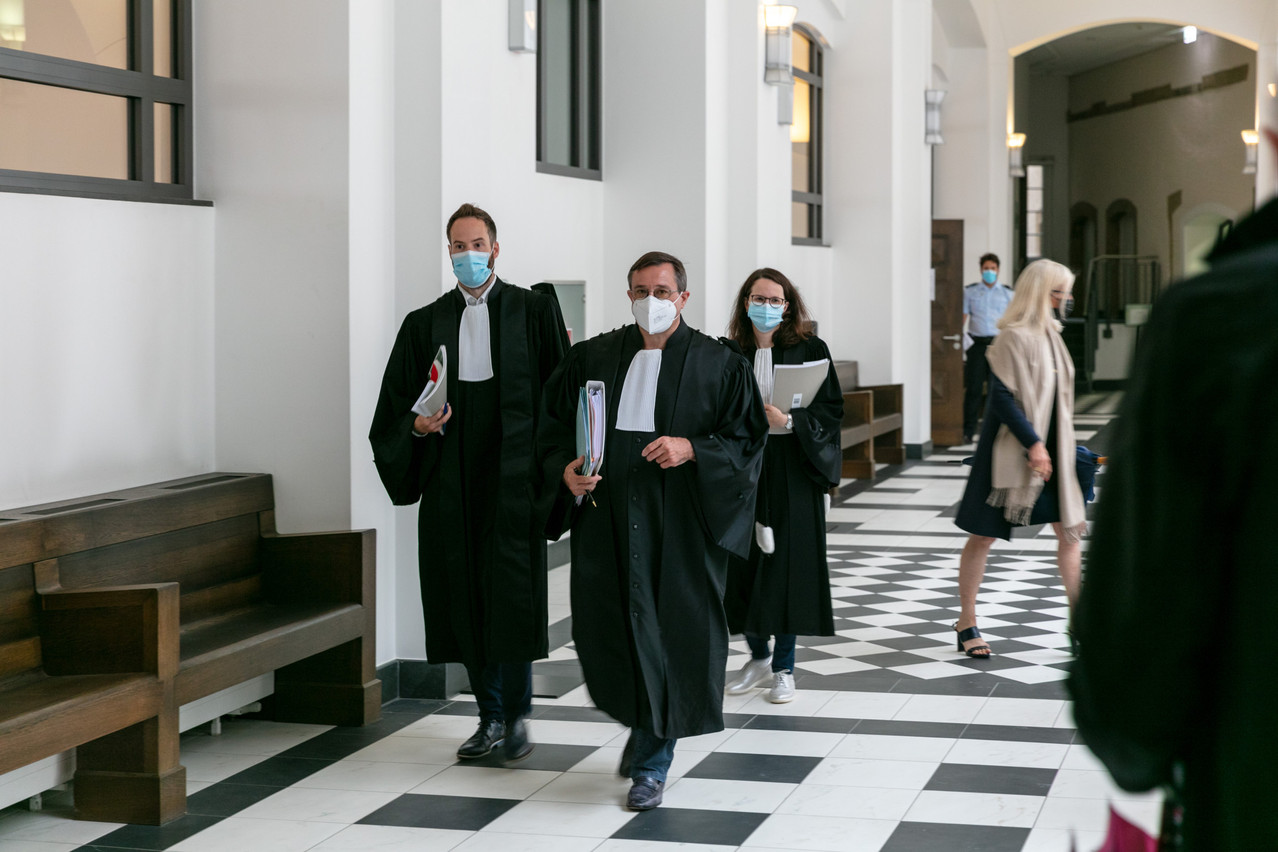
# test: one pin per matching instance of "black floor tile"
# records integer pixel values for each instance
(1052, 689)
(153, 837)
(676, 825)
(280, 771)
(548, 757)
(226, 798)
(335, 745)
(893, 658)
(570, 714)
(418, 706)
(780, 769)
(458, 813)
(815, 724)
(1026, 734)
(909, 729)
(460, 708)
(553, 686)
(877, 680)
(932, 837)
(973, 684)
(736, 720)
(1010, 780)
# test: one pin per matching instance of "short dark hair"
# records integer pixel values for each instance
(470, 211)
(989, 255)
(657, 258)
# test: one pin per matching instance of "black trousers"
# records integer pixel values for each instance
(976, 370)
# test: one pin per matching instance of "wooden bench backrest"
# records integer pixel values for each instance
(19, 622)
(201, 532)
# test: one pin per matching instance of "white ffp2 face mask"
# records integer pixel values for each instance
(654, 315)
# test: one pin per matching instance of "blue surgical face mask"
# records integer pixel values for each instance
(471, 268)
(989, 276)
(765, 317)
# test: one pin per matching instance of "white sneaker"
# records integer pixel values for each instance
(752, 674)
(782, 687)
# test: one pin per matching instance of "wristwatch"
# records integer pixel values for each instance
(789, 422)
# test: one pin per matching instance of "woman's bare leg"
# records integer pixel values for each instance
(971, 572)
(1069, 558)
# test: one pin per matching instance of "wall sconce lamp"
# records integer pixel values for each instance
(13, 30)
(1015, 162)
(932, 117)
(523, 26)
(777, 68)
(1250, 138)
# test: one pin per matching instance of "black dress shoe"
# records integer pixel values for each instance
(627, 757)
(518, 746)
(489, 735)
(645, 794)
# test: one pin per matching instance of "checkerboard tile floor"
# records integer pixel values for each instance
(894, 742)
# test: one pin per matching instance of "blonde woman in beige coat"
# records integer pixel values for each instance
(1023, 472)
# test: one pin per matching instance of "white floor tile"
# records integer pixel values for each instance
(1022, 712)
(213, 767)
(975, 809)
(824, 834)
(834, 666)
(707, 742)
(562, 818)
(496, 841)
(716, 794)
(303, 804)
(1081, 757)
(249, 736)
(940, 708)
(844, 515)
(583, 788)
(1007, 753)
(392, 838)
(1032, 674)
(800, 743)
(879, 747)
(863, 705)
(397, 749)
(38, 846)
(485, 782)
(807, 702)
(656, 846)
(371, 776)
(1060, 840)
(932, 671)
(573, 733)
(854, 802)
(886, 774)
(259, 835)
(442, 726)
(47, 827)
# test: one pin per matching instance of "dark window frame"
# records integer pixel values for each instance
(143, 90)
(815, 201)
(586, 100)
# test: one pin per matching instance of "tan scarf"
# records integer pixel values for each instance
(1034, 366)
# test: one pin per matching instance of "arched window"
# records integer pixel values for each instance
(1082, 248)
(1121, 240)
(806, 147)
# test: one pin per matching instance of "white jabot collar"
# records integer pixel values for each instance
(636, 412)
(474, 342)
(763, 372)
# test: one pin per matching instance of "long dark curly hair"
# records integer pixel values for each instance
(796, 325)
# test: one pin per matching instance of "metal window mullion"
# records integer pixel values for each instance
(183, 112)
(85, 77)
(590, 96)
(574, 83)
(142, 109)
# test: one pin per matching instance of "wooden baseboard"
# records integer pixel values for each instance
(327, 703)
(139, 798)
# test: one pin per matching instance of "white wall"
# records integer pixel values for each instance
(106, 345)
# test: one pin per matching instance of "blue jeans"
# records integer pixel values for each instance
(502, 690)
(651, 756)
(782, 658)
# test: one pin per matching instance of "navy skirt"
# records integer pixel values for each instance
(977, 517)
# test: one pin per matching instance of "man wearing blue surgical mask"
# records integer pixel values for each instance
(481, 549)
(983, 304)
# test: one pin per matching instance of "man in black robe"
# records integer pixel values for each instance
(1174, 679)
(481, 548)
(685, 430)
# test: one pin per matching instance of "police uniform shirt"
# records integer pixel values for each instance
(984, 305)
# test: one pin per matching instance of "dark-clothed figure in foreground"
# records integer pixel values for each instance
(983, 304)
(653, 531)
(1024, 469)
(784, 592)
(481, 547)
(1176, 621)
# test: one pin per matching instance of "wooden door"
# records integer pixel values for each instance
(947, 332)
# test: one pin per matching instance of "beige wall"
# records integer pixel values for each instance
(1191, 144)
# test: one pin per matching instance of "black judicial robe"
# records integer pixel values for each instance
(649, 558)
(788, 591)
(481, 548)
(1176, 619)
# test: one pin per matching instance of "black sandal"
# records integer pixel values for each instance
(975, 651)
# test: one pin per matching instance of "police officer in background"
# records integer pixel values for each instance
(983, 305)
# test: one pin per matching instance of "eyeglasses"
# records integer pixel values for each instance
(661, 293)
(760, 301)
(1060, 293)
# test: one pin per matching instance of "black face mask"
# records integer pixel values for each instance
(1066, 308)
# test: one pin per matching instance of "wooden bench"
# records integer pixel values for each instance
(873, 423)
(251, 602)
